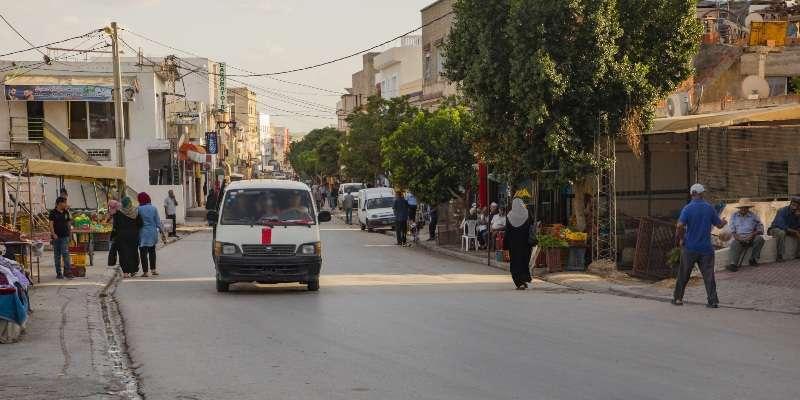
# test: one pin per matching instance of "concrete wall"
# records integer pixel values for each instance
(405, 63)
(779, 63)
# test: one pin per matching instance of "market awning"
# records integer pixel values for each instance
(191, 151)
(728, 118)
(66, 88)
(64, 169)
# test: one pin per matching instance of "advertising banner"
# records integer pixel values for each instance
(212, 143)
(58, 93)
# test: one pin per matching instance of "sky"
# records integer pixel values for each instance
(258, 35)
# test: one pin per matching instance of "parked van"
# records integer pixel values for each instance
(375, 208)
(267, 231)
(346, 188)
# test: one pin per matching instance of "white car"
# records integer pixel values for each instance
(345, 188)
(267, 231)
(375, 208)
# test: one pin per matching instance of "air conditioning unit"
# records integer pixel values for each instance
(678, 105)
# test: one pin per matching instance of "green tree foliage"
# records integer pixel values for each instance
(431, 155)
(361, 150)
(317, 154)
(545, 76)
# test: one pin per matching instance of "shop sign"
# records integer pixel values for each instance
(222, 101)
(58, 93)
(212, 143)
(187, 118)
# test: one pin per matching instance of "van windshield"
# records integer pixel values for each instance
(352, 188)
(267, 207)
(382, 202)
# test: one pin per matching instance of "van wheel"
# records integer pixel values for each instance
(223, 286)
(313, 284)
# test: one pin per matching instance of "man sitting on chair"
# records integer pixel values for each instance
(747, 229)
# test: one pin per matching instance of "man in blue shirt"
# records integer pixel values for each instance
(747, 229)
(786, 223)
(694, 236)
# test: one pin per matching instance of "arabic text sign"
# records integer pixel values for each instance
(58, 93)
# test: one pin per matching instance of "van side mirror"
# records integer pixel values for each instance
(324, 216)
(212, 217)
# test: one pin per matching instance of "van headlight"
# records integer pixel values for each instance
(226, 249)
(311, 249)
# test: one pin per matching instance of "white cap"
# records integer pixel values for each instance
(493, 204)
(697, 188)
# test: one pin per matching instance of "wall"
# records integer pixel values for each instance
(435, 86)
(403, 62)
(783, 63)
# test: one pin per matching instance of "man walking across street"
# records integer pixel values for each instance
(60, 233)
(694, 237)
(400, 208)
(348, 203)
(786, 223)
(747, 229)
(170, 208)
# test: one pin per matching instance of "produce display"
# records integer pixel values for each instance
(94, 222)
(574, 236)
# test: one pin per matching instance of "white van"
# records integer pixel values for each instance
(267, 231)
(375, 208)
(346, 188)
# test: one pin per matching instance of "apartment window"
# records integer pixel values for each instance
(440, 59)
(162, 171)
(99, 154)
(427, 67)
(92, 120)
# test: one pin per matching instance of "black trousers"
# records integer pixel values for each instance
(174, 219)
(706, 264)
(400, 228)
(432, 226)
(147, 255)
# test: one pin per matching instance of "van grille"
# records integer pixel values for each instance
(268, 250)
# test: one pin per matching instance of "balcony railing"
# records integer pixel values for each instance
(26, 130)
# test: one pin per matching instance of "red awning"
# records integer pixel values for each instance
(191, 151)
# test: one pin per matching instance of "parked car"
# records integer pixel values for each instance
(375, 208)
(345, 188)
(267, 231)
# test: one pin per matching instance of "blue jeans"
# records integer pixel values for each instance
(348, 213)
(61, 250)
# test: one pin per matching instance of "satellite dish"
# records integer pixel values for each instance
(755, 87)
(752, 17)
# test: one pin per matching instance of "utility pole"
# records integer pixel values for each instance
(119, 115)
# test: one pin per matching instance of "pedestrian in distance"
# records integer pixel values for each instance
(519, 239)
(331, 199)
(127, 224)
(212, 202)
(747, 229)
(400, 208)
(348, 203)
(170, 210)
(60, 232)
(148, 235)
(412, 206)
(694, 237)
(433, 221)
(786, 224)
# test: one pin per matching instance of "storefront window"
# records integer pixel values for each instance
(162, 169)
(101, 120)
(78, 128)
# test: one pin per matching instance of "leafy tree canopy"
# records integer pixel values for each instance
(431, 155)
(545, 76)
(361, 150)
(317, 154)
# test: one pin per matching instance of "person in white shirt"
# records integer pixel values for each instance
(170, 209)
(499, 220)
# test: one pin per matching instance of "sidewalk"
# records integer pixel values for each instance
(71, 345)
(771, 287)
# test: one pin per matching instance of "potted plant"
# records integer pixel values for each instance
(552, 247)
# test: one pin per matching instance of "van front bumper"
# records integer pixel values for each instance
(238, 268)
(380, 223)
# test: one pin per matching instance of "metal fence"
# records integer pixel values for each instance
(655, 240)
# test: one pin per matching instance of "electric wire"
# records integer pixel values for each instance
(50, 44)
(35, 66)
(33, 46)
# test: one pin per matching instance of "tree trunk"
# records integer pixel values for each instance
(582, 188)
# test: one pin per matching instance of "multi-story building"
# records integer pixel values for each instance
(61, 114)
(265, 137)
(363, 87)
(245, 143)
(399, 70)
(280, 145)
(435, 86)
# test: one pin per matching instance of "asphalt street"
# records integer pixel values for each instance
(399, 323)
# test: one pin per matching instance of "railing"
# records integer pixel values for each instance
(64, 147)
(26, 130)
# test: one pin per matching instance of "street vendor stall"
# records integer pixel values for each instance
(88, 224)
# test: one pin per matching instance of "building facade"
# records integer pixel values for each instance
(363, 87)
(245, 143)
(399, 70)
(435, 86)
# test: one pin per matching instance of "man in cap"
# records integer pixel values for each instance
(694, 236)
(786, 223)
(747, 229)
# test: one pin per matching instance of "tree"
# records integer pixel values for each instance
(544, 77)
(361, 148)
(431, 155)
(317, 154)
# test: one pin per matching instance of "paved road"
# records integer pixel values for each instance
(395, 323)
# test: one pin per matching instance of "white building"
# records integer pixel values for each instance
(399, 69)
(265, 139)
(65, 111)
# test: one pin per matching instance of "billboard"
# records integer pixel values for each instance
(58, 93)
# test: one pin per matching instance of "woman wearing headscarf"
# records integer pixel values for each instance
(517, 240)
(125, 234)
(148, 235)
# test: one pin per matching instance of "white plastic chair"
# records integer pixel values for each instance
(468, 236)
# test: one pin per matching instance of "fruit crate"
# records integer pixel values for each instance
(78, 259)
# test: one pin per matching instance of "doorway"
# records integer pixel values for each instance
(35, 120)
